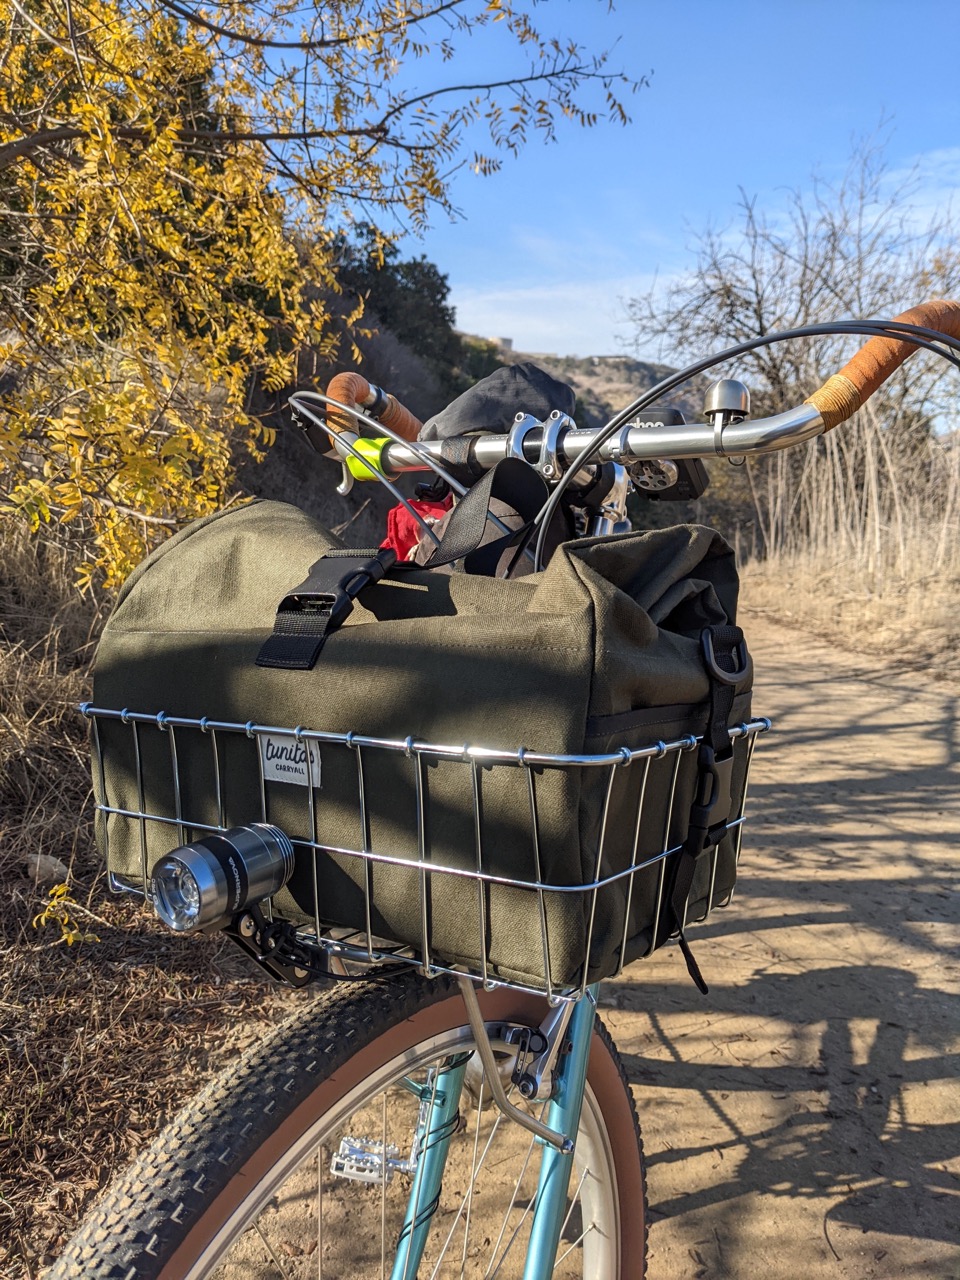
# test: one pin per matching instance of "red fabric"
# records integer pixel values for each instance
(403, 532)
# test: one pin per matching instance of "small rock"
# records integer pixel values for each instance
(44, 868)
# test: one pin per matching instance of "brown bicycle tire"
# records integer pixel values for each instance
(160, 1215)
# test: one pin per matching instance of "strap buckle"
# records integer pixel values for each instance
(320, 604)
(316, 595)
(713, 796)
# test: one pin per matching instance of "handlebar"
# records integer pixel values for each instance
(845, 392)
(628, 438)
(649, 442)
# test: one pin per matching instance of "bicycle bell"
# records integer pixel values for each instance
(726, 401)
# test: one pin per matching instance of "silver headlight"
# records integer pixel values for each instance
(209, 881)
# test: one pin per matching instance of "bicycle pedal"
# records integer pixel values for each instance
(363, 1160)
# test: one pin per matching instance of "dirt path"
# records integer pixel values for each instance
(804, 1119)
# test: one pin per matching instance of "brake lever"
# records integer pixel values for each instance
(346, 484)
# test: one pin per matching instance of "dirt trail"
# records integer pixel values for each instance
(804, 1119)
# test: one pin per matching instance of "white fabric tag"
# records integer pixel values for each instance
(285, 759)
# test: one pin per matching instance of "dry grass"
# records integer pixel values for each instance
(99, 1041)
(861, 538)
(910, 618)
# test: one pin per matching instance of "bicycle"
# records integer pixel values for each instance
(423, 1118)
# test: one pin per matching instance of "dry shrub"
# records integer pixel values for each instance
(902, 603)
(46, 640)
(102, 1040)
(864, 546)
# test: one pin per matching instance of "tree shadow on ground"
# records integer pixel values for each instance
(849, 1126)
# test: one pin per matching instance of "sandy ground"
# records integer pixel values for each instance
(804, 1119)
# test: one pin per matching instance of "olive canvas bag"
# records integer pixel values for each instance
(603, 649)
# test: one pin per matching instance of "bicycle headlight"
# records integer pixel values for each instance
(209, 881)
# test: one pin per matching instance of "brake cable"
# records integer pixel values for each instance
(918, 334)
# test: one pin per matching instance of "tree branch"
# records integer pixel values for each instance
(580, 70)
(302, 46)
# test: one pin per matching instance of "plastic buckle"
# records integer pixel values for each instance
(316, 596)
(711, 807)
(311, 611)
(738, 652)
(332, 605)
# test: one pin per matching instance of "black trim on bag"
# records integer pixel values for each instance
(678, 715)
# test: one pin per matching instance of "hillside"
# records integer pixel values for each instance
(605, 384)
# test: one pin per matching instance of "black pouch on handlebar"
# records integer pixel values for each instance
(492, 404)
(600, 652)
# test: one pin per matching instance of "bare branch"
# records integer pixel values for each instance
(301, 46)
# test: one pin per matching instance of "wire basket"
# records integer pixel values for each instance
(460, 874)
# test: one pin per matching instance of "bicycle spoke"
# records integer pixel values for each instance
(510, 1208)
(383, 1188)
(516, 1231)
(269, 1248)
(320, 1172)
(573, 1202)
(474, 1170)
(467, 1198)
(465, 1201)
(579, 1240)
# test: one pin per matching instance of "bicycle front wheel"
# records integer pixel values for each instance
(299, 1162)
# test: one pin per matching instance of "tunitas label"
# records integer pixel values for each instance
(285, 759)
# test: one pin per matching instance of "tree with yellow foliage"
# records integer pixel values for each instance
(174, 182)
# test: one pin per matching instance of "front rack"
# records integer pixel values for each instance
(444, 903)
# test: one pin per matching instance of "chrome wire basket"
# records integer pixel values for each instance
(441, 856)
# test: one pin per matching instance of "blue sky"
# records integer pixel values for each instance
(757, 94)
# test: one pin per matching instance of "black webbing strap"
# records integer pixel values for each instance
(728, 663)
(308, 613)
(457, 456)
(517, 485)
(311, 611)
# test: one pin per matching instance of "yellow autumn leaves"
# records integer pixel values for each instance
(174, 185)
(155, 279)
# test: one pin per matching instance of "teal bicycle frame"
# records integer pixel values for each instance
(438, 1123)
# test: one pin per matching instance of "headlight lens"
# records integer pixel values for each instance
(176, 895)
(211, 880)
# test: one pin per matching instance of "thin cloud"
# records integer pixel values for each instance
(931, 181)
(568, 317)
(580, 305)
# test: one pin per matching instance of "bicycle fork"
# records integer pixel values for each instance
(557, 1134)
